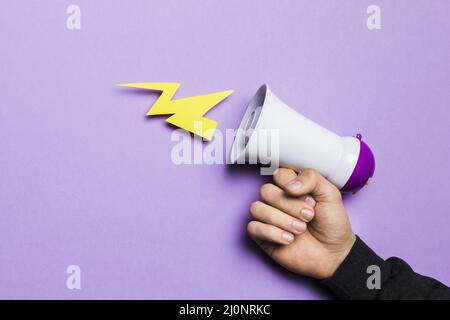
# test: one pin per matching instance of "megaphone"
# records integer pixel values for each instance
(347, 162)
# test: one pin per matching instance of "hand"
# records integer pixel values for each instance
(302, 224)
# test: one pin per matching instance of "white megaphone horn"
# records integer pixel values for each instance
(345, 161)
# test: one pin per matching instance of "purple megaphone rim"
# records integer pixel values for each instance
(364, 169)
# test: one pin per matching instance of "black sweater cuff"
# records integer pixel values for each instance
(350, 279)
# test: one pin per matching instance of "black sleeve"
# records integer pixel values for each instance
(396, 278)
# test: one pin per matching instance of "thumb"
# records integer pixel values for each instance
(309, 181)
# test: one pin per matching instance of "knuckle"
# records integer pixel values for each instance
(255, 207)
(251, 227)
(284, 173)
(309, 172)
(267, 191)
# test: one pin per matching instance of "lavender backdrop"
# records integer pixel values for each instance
(86, 179)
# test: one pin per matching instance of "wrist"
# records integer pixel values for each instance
(339, 256)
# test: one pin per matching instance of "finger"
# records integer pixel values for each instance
(265, 232)
(282, 176)
(264, 213)
(309, 181)
(276, 197)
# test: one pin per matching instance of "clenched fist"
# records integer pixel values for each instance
(301, 223)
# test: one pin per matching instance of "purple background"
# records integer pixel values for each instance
(87, 179)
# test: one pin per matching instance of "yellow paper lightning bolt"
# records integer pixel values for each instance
(187, 113)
